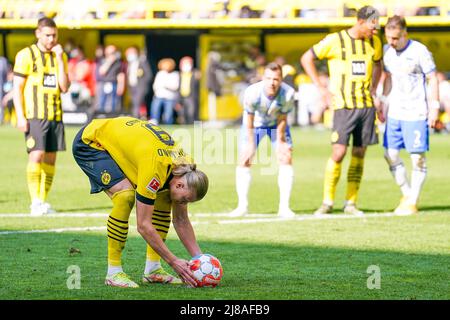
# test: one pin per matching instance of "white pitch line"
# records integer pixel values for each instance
(59, 230)
(307, 217)
(231, 221)
(55, 215)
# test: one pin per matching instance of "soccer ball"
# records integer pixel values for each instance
(207, 270)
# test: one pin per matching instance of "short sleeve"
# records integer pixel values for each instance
(151, 177)
(249, 104)
(289, 103)
(66, 63)
(323, 49)
(378, 47)
(23, 63)
(426, 61)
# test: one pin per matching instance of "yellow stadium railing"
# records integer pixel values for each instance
(209, 13)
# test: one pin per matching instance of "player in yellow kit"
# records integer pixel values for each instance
(40, 76)
(354, 63)
(132, 159)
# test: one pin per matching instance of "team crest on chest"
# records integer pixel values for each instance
(153, 185)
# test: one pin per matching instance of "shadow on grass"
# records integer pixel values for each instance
(252, 271)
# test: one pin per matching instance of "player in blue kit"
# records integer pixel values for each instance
(266, 105)
(409, 65)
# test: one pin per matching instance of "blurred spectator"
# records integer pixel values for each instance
(247, 12)
(81, 75)
(311, 103)
(7, 103)
(213, 83)
(189, 90)
(139, 77)
(165, 88)
(256, 74)
(111, 80)
(3, 80)
(444, 98)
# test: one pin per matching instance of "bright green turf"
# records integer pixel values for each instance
(319, 259)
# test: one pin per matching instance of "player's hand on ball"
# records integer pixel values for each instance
(182, 268)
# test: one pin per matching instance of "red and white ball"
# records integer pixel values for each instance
(207, 270)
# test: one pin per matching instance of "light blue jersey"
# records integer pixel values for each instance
(408, 68)
(267, 110)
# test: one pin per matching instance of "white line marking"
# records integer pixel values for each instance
(270, 218)
(54, 215)
(274, 218)
(53, 230)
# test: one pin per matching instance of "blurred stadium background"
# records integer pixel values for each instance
(244, 33)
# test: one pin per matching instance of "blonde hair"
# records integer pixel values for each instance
(166, 64)
(196, 180)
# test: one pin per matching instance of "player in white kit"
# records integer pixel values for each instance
(409, 65)
(266, 105)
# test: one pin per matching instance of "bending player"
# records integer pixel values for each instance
(130, 159)
(266, 105)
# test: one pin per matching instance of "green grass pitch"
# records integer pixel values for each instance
(263, 257)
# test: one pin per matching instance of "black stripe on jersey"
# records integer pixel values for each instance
(353, 44)
(363, 44)
(42, 57)
(33, 57)
(52, 62)
(54, 107)
(353, 92)
(123, 228)
(20, 74)
(341, 38)
(117, 235)
(45, 105)
(164, 231)
(35, 101)
(145, 200)
(343, 89)
(116, 239)
(109, 227)
(126, 222)
(364, 97)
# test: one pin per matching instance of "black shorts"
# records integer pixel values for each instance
(98, 165)
(45, 135)
(359, 123)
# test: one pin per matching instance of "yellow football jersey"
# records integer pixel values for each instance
(350, 63)
(42, 96)
(143, 151)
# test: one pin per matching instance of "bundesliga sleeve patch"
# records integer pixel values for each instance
(154, 185)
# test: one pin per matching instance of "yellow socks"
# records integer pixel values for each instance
(332, 174)
(161, 221)
(123, 202)
(355, 172)
(47, 174)
(34, 179)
